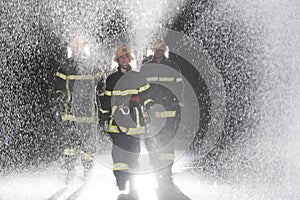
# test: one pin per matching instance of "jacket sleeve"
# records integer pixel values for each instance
(144, 93)
(60, 89)
(104, 105)
(180, 81)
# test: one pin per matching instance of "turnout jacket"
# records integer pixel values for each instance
(75, 87)
(166, 84)
(124, 101)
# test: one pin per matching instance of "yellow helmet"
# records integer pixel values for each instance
(122, 50)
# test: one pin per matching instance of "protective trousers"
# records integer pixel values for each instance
(125, 154)
(80, 142)
(160, 147)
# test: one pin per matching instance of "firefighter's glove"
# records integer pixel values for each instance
(146, 116)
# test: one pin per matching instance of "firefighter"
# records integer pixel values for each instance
(75, 86)
(166, 91)
(125, 97)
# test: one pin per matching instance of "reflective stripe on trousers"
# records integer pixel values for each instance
(120, 166)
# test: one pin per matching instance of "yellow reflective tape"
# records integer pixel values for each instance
(179, 79)
(58, 91)
(58, 96)
(68, 96)
(167, 156)
(60, 75)
(101, 94)
(144, 87)
(93, 99)
(120, 166)
(147, 101)
(124, 92)
(123, 129)
(68, 117)
(121, 92)
(87, 120)
(87, 156)
(104, 111)
(127, 131)
(166, 79)
(113, 129)
(152, 79)
(136, 131)
(113, 110)
(165, 114)
(138, 123)
(107, 93)
(116, 92)
(80, 77)
(69, 152)
(76, 77)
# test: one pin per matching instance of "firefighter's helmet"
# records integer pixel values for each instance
(158, 43)
(78, 47)
(122, 50)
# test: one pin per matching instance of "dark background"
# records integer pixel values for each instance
(31, 53)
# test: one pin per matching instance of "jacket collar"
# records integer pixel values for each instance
(128, 69)
(162, 60)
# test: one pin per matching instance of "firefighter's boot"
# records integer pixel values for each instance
(133, 194)
(87, 165)
(71, 173)
(121, 178)
(70, 167)
(171, 192)
(167, 190)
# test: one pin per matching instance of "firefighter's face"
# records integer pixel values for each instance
(124, 61)
(77, 52)
(159, 53)
(81, 52)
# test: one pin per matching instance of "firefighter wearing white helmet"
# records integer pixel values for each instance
(166, 89)
(75, 86)
(125, 94)
(79, 48)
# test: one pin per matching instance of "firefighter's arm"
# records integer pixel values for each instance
(59, 97)
(104, 103)
(60, 87)
(180, 84)
(100, 98)
(104, 108)
(146, 101)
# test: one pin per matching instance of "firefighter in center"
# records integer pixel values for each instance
(122, 106)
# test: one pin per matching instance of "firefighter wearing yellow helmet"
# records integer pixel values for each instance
(121, 51)
(125, 95)
(75, 86)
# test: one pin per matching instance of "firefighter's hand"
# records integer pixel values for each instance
(147, 118)
(102, 123)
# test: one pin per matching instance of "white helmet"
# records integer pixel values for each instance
(158, 43)
(78, 48)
